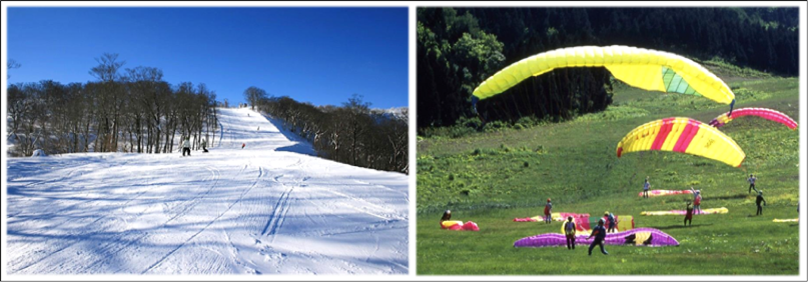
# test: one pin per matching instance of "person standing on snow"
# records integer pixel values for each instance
(186, 146)
(204, 144)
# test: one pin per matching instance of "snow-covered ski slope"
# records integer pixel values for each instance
(269, 208)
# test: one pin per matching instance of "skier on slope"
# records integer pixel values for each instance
(186, 146)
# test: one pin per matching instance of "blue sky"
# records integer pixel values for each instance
(317, 55)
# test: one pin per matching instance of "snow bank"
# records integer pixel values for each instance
(39, 153)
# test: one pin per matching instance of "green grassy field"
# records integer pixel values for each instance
(491, 178)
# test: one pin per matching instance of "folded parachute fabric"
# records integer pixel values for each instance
(656, 193)
(458, 225)
(721, 210)
(449, 223)
(639, 237)
(470, 226)
(624, 223)
(562, 216)
(524, 219)
(787, 220)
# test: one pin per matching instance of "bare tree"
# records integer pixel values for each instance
(358, 122)
(12, 64)
(134, 112)
(350, 134)
(253, 95)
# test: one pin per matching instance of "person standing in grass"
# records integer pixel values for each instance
(689, 215)
(569, 230)
(612, 221)
(600, 234)
(548, 209)
(751, 181)
(696, 200)
(758, 200)
(645, 188)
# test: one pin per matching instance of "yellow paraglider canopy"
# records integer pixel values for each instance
(641, 68)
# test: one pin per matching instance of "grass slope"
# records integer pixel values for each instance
(491, 178)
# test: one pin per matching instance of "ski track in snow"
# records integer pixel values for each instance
(109, 248)
(270, 208)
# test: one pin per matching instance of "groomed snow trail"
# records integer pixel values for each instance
(269, 208)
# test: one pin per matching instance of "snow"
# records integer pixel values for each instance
(270, 208)
(39, 153)
(399, 113)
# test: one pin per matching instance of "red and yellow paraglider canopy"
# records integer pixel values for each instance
(683, 135)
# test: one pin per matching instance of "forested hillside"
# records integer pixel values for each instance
(458, 48)
(125, 110)
(353, 134)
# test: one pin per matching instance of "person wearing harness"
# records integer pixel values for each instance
(751, 181)
(569, 230)
(758, 200)
(600, 234)
(548, 209)
(612, 221)
(696, 200)
(689, 215)
(645, 188)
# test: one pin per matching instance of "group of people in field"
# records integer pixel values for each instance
(570, 229)
(599, 232)
(696, 209)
